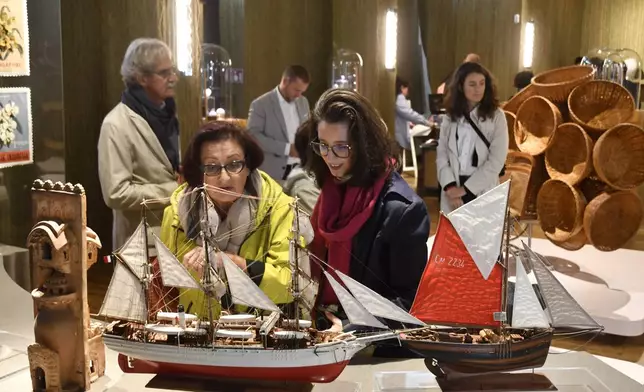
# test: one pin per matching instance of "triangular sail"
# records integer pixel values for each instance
(480, 225)
(243, 290)
(173, 273)
(375, 303)
(356, 313)
(452, 289)
(526, 309)
(564, 311)
(133, 252)
(125, 298)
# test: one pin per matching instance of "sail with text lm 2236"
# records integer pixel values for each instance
(463, 282)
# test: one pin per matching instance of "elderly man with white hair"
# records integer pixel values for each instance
(138, 148)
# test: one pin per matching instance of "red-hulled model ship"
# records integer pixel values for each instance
(464, 294)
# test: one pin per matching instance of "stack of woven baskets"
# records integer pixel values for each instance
(576, 158)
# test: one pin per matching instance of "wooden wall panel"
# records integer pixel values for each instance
(558, 34)
(408, 65)
(613, 24)
(453, 28)
(359, 25)
(231, 31)
(278, 33)
(84, 87)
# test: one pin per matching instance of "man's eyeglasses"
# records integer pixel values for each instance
(339, 150)
(234, 167)
(166, 73)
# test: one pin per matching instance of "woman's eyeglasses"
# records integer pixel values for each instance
(213, 169)
(339, 150)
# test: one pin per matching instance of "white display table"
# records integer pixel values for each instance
(16, 334)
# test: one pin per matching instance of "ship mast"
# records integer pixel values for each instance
(146, 269)
(206, 268)
(505, 248)
(296, 270)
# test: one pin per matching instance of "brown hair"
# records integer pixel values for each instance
(301, 143)
(218, 131)
(297, 72)
(372, 148)
(455, 101)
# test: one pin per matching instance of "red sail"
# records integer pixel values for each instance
(452, 289)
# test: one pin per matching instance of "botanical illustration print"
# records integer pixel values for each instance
(16, 138)
(8, 124)
(14, 38)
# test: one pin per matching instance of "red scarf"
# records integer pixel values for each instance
(338, 215)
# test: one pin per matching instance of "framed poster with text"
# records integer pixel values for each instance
(14, 38)
(16, 133)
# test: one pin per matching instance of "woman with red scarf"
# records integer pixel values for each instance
(368, 222)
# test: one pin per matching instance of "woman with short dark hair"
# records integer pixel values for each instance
(368, 222)
(249, 215)
(473, 141)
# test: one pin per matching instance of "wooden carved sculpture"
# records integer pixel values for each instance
(69, 353)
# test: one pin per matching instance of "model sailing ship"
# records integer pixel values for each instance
(273, 347)
(465, 289)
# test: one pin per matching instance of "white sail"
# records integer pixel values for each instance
(133, 252)
(307, 286)
(526, 309)
(564, 311)
(375, 303)
(480, 225)
(243, 290)
(356, 313)
(125, 298)
(173, 273)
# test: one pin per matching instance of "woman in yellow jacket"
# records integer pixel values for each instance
(248, 214)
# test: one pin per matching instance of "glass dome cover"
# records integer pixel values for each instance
(634, 73)
(595, 58)
(216, 82)
(346, 70)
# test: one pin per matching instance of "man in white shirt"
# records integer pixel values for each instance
(274, 119)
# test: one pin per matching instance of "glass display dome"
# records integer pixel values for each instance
(346, 70)
(216, 83)
(595, 58)
(634, 73)
(614, 69)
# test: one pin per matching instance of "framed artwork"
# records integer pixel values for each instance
(16, 133)
(14, 38)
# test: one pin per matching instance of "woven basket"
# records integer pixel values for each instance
(518, 167)
(575, 242)
(515, 102)
(569, 155)
(599, 105)
(612, 219)
(510, 118)
(537, 120)
(618, 156)
(560, 208)
(557, 83)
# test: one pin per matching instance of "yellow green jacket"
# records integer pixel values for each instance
(267, 243)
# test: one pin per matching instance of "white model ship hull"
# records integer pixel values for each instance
(322, 363)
